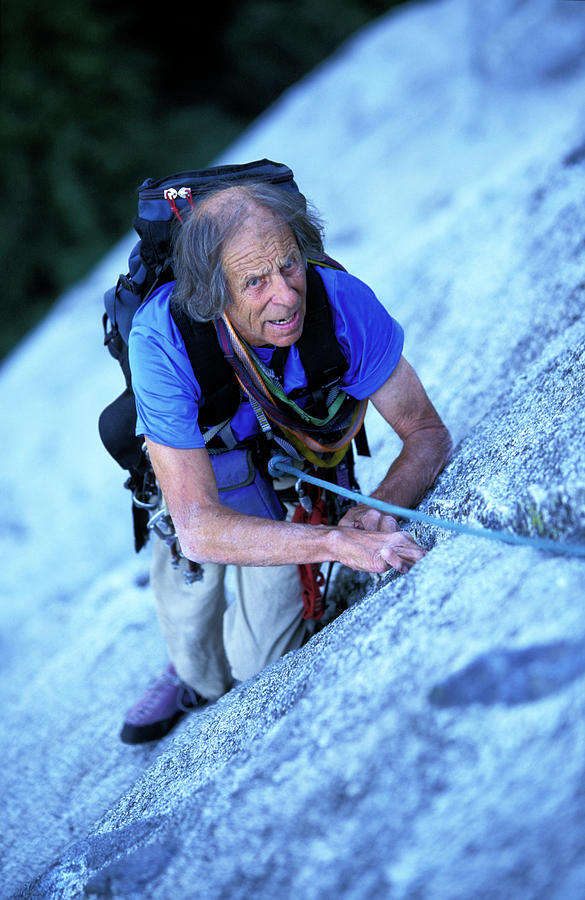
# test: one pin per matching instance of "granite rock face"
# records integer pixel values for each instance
(429, 742)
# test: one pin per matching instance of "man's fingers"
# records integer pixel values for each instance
(375, 551)
(387, 524)
(368, 519)
(386, 559)
(403, 553)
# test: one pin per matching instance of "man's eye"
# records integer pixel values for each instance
(252, 282)
(290, 264)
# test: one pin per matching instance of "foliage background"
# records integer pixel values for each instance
(97, 96)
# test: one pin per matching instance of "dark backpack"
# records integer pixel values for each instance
(162, 203)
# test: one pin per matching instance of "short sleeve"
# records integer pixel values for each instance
(166, 390)
(370, 337)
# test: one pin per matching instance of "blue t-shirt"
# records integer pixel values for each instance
(168, 394)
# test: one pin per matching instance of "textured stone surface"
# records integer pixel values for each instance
(428, 743)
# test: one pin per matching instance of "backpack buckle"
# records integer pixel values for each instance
(330, 377)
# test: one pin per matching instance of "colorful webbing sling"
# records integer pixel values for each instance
(345, 414)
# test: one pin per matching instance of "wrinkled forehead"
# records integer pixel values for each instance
(258, 248)
(258, 234)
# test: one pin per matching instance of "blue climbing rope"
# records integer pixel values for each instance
(280, 465)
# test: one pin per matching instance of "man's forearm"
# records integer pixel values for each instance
(216, 534)
(424, 454)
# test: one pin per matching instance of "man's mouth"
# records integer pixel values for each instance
(282, 323)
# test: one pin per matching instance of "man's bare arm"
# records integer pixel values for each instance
(211, 532)
(426, 447)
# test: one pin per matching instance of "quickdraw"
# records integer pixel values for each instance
(311, 510)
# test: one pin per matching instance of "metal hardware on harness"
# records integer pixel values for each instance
(147, 495)
(304, 498)
(161, 524)
(193, 572)
(152, 502)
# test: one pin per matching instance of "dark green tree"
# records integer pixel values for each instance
(268, 45)
(71, 120)
(97, 96)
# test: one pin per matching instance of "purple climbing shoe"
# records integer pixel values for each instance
(165, 701)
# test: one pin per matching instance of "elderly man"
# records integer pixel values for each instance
(241, 260)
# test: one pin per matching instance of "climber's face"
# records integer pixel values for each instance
(267, 281)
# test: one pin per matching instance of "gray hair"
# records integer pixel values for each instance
(201, 285)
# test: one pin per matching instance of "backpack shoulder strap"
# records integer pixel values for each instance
(321, 355)
(323, 359)
(214, 374)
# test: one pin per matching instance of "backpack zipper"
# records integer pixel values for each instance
(154, 189)
(170, 194)
(158, 192)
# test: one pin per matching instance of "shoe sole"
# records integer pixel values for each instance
(142, 734)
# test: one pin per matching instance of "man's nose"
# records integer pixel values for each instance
(282, 291)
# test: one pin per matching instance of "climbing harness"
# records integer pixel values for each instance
(280, 465)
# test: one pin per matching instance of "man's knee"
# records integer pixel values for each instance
(250, 649)
(244, 665)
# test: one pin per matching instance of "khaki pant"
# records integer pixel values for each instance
(209, 644)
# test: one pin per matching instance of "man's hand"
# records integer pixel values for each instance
(400, 552)
(368, 519)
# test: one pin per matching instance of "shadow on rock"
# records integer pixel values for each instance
(513, 676)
